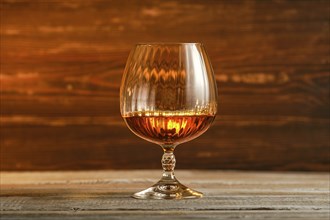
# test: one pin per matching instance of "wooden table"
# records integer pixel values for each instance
(106, 195)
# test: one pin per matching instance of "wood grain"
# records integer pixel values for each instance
(62, 61)
(104, 194)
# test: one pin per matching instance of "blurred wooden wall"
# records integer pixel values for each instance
(62, 62)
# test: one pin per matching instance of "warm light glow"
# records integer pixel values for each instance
(176, 125)
(168, 124)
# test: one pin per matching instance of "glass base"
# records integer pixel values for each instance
(168, 190)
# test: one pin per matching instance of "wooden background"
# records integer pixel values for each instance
(62, 61)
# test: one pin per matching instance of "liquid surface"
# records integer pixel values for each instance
(169, 129)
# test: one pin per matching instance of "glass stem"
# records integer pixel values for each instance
(168, 163)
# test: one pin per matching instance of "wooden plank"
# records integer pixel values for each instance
(93, 145)
(122, 215)
(97, 194)
(61, 66)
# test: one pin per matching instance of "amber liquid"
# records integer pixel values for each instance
(169, 129)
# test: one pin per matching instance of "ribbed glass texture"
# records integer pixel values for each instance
(168, 79)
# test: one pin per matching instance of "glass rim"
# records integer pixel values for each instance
(167, 43)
